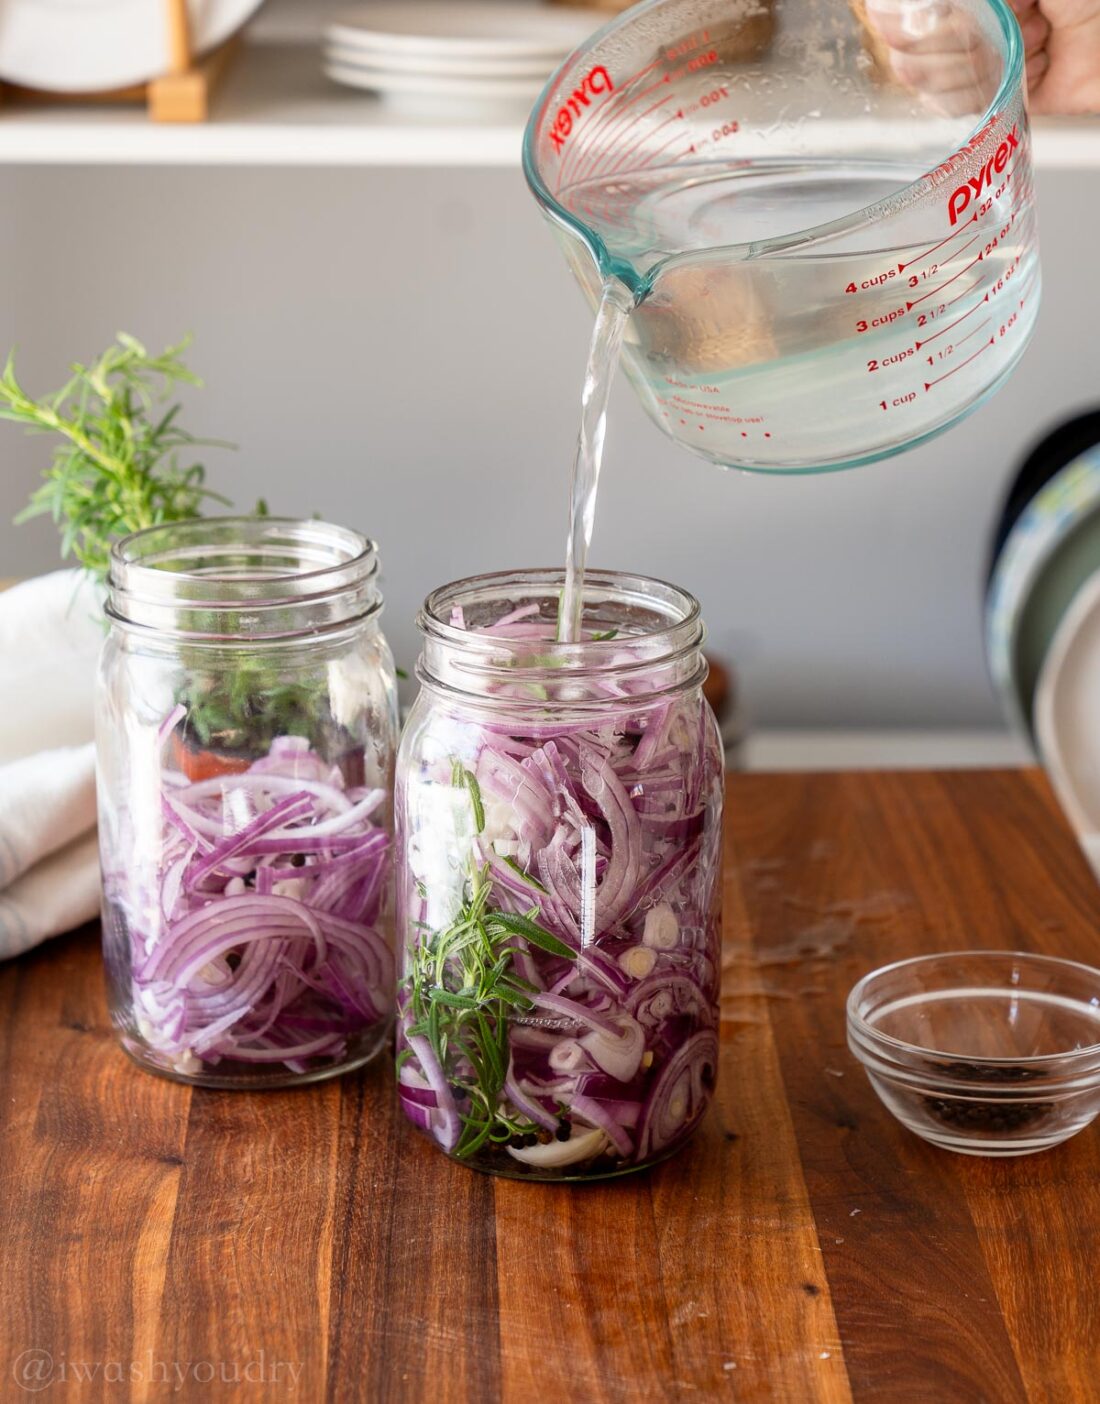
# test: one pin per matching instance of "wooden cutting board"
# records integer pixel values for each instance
(804, 1248)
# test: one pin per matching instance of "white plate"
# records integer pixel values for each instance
(432, 88)
(1067, 714)
(497, 28)
(87, 46)
(446, 65)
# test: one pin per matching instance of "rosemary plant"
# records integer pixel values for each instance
(118, 466)
(124, 462)
(461, 989)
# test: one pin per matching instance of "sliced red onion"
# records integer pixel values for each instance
(289, 810)
(616, 890)
(618, 1053)
(422, 1096)
(233, 956)
(528, 1105)
(575, 1013)
(597, 1114)
(664, 994)
(169, 724)
(568, 1056)
(420, 1116)
(449, 1128)
(679, 1095)
(276, 1053)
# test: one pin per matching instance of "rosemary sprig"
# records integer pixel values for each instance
(119, 466)
(123, 462)
(249, 705)
(462, 989)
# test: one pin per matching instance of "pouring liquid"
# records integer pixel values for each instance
(603, 361)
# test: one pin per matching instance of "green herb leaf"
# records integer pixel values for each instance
(461, 776)
(523, 926)
(118, 466)
(453, 1001)
(521, 874)
(462, 989)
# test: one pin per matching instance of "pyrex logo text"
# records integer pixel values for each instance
(598, 80)
(962, 197)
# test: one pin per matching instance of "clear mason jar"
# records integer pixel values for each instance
(246, 730)
(558, 811)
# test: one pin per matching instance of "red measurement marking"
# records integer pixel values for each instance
(625, 115)
(640, 145)
(626, 82)
(903, 266)
(649, 160)
(607, 149)
(935, 291)
(929, 383)
(965, 293)
(929, 339)
(584, 146)
(620, 112)
(600, 130)
(1022, 197)
(959, 253)
(975, 332)
(1028, 288)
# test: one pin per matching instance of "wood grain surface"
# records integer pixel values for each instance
(159, 1242)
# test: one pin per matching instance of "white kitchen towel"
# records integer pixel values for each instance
(51, 631)
(50, 637)
(59, 893)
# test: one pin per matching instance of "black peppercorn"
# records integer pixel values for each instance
(994, 1115)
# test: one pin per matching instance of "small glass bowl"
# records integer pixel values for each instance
(982, 1052)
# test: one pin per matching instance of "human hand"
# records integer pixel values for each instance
(1062, 44)
(934, 48)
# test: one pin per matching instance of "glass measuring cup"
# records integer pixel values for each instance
(824, 216)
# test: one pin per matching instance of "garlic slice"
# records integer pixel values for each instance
(555, 1153)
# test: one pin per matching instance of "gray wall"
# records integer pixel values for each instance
(402, 350)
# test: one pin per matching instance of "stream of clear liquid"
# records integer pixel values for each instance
(603, 360)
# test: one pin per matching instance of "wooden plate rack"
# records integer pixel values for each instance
(181, 94)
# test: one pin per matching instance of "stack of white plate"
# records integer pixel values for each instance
(449, 53)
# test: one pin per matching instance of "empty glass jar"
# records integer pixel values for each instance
(246, 732)
(558, 812)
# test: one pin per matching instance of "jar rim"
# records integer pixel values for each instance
(665, 650)
(233, 576)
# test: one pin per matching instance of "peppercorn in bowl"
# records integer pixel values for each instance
(982, 1052)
